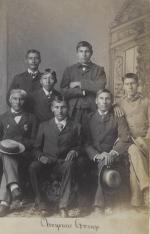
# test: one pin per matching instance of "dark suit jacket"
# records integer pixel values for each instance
(92, 80)
(55, 144)
(42, 105)
(107, 134)
(26, 82)
(24, 132)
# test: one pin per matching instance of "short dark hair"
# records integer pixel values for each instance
(105, 91)
(50, 71)
(59, 98)
(130, 75)
(84, 44)
(34, 52)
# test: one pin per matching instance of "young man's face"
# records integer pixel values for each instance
(83, 55)
(33, 61)
(60, 110)
(104, 102)
(16, 102)
(47, 81)
(130, 87)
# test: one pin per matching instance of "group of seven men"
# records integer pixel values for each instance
(65, 132)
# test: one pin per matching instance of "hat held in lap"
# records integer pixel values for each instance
(8, 146)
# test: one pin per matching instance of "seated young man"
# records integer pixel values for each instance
(42, 97)
(107, 144)
(137, 112)
(57, 148)
(15, 124)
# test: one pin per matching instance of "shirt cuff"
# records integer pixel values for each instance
(114, 153)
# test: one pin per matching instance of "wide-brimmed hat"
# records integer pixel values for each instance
(111, 178)
(11, 147)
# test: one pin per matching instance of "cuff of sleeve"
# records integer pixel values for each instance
(114, 152)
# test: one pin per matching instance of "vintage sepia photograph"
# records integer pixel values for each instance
(74, 116)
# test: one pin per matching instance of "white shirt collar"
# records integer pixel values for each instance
(63, 122)
(102, 113)
(47, 92)
(13, 111)
(31, 72)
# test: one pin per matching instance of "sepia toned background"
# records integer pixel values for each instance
(120, 34)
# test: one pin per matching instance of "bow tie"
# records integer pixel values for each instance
(16, 114)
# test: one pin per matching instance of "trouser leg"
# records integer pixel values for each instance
(65, 191)
(136, 193)
(10, 176)
(99, 196)
(140, 165)
(34, 170)
(139, 174)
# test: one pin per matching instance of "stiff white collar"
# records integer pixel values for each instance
(47, 93)
(103, 113)
(63, 122)
(31, 72)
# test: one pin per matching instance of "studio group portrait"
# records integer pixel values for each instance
(74, 109)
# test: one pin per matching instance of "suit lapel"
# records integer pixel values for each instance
(102, 132)
(24, 119)
(53, 126)
(11, 121)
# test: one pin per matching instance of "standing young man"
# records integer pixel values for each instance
(43, 97)
(30, 79)
(137, 112)
(81, 81)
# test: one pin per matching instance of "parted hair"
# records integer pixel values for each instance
(50, 71)
(130, 75)
(84, 44)
(34, 52)
(22, 93)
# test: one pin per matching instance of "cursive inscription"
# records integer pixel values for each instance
(76, 223)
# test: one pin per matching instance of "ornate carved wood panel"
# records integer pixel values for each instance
(130, 45)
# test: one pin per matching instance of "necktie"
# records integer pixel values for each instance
(33, 75)
(60, 126)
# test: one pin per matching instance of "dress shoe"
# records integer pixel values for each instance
(63, 213)
(16, 205)
(16, 194)
(42, 208)
(73, 213)
(97, 211)
(3, 210)
(108, 211)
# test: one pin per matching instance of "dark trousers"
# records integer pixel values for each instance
(64, 168)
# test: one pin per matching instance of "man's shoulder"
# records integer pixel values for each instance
(140, 97)
(21, 75)
(49, 122)
(94, 65)
(4, 115)
(72, 67)
(38, 92)
(56, 92)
